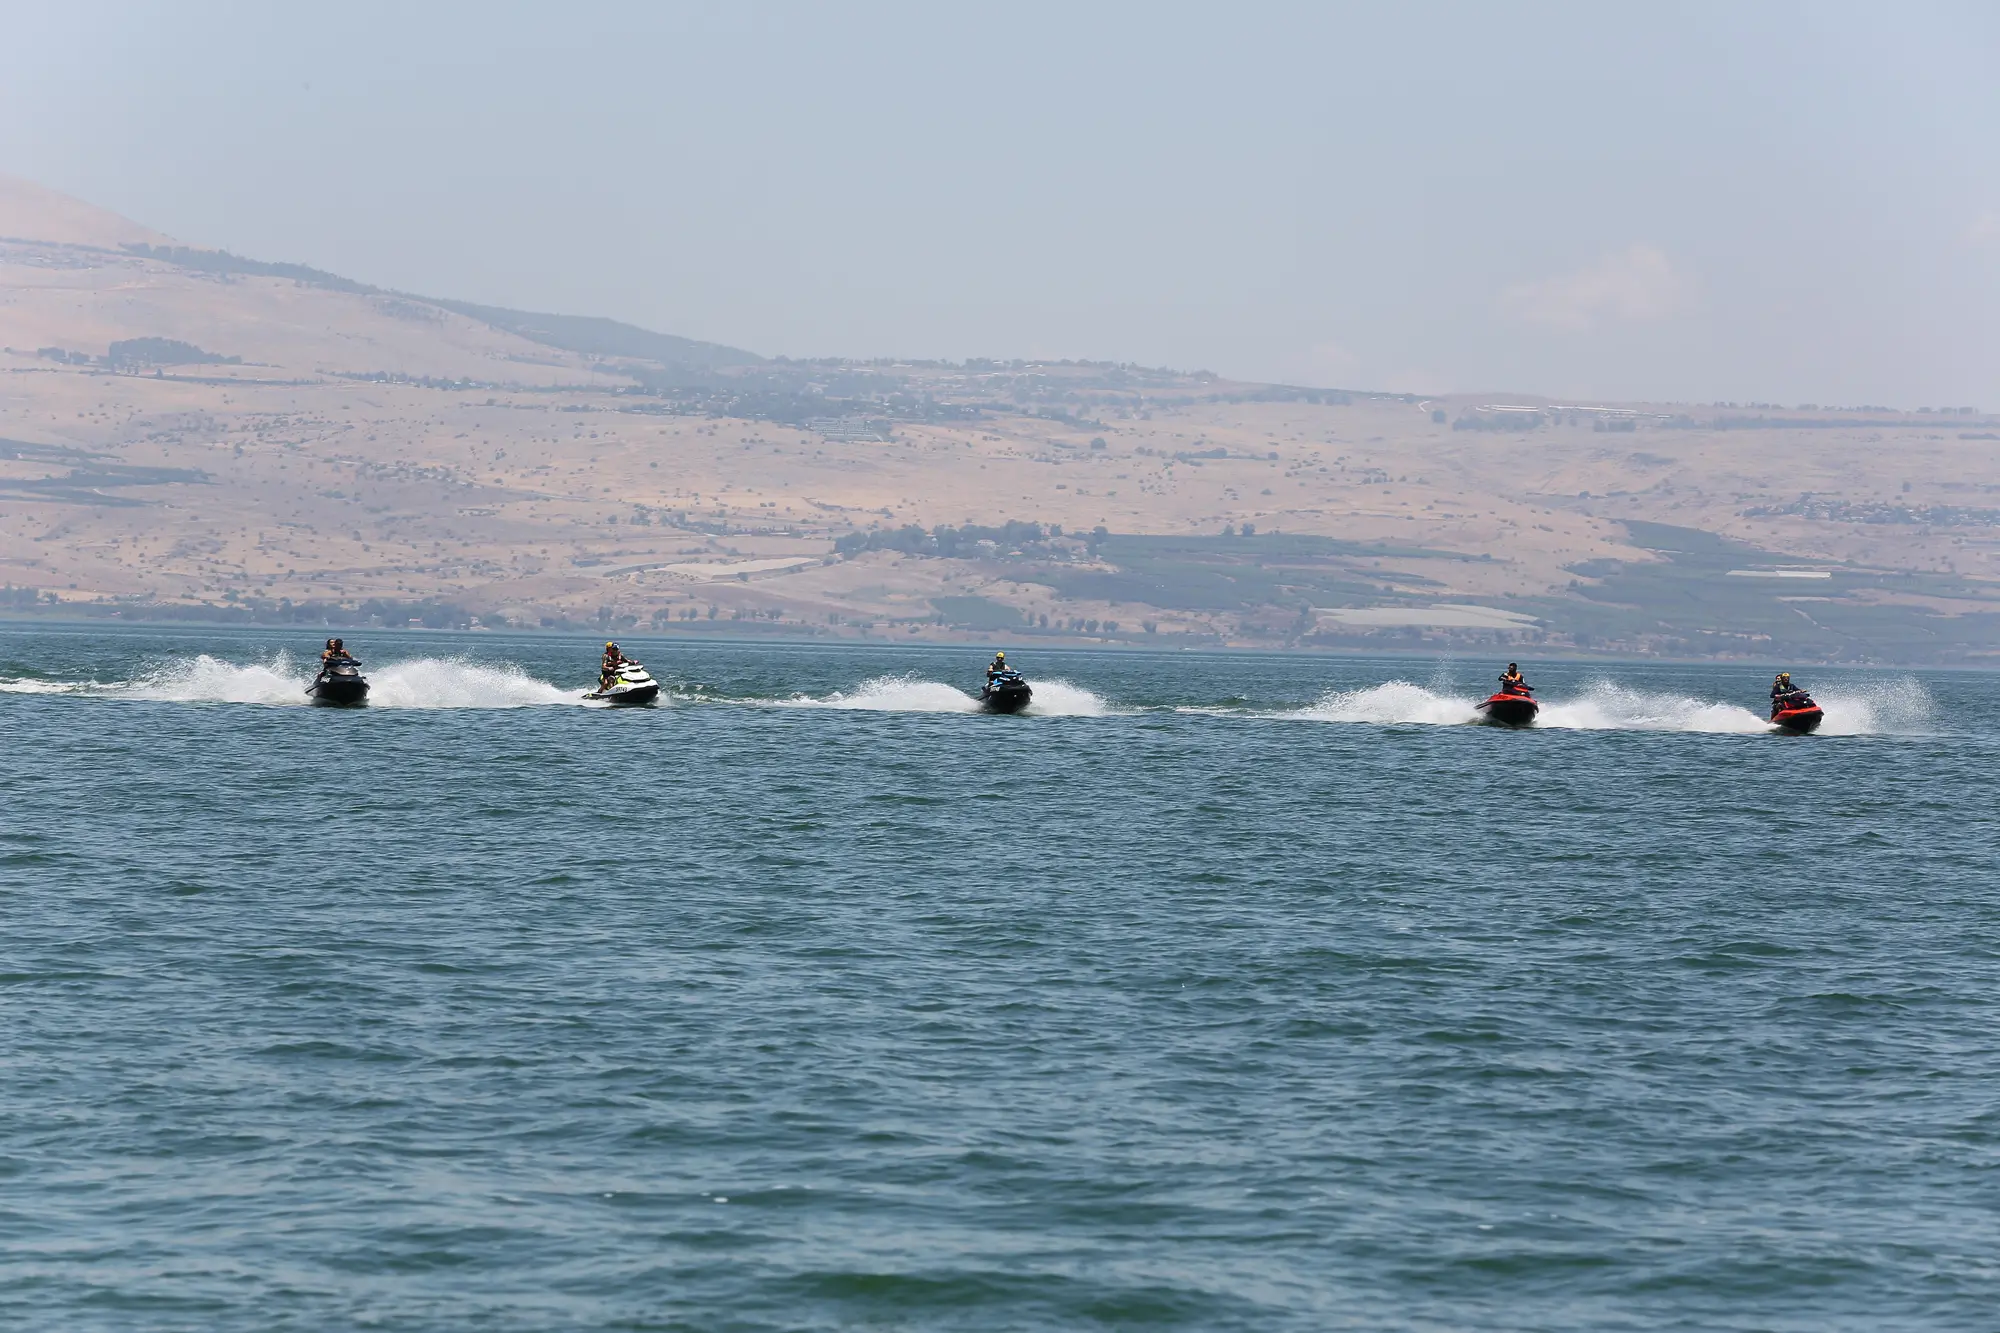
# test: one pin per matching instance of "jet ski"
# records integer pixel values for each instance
(339, 683)
(632, 685)
(1510, 708)
(1796, 713)
(1006, 692)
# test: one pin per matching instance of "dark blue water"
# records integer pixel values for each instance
(1240, 993)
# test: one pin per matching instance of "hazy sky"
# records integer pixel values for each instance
(1785, 202)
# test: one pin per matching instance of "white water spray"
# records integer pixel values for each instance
(431, 682)
(1059, 698)
(29, 685)
(425, 682)
(1895, 707)
(210, 680)
(1604, 706)
(896, 694)
(910, 694)
(1396, 701)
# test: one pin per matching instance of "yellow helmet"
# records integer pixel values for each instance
(1001, 656)
(610, 645)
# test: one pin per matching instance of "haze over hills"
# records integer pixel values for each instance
(186, 432)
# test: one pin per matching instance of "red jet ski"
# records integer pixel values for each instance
(1796, 712)
(1511, 708)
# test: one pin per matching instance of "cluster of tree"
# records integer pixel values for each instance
(128, 352)
(969, 541)
(164, 352)
(667, 615)
(1876, 511)
(1506, 421)
(789, 401)
(422, 381)
(223, 263)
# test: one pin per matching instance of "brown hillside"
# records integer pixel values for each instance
(257, 457)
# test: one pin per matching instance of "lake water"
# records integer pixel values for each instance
(1223, 992)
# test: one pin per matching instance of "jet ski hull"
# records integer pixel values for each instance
(338, 691)
(634, 686)
(626, 696)
(1006, 696)
(1510, 710)
(1798, 721)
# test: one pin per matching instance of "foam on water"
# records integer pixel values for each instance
(912, 694)
(1396, 701)
(210, 680)
(1604, 706)
(30, 685)
(1059, 698)
(425, 682)
(1901, 706)
(434, 682)
(897, 694)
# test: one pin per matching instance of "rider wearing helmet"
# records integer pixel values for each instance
(607, 671)
(1782, 691)
(999, 665)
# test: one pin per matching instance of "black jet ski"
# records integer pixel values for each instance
(1510, 708)
(1005, 692)
(1797, 713)
(339, 683)
(632, 685)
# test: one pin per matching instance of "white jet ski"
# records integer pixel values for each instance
(633, 685)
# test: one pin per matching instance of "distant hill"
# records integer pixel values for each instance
(595, 336)
(30, 212)
(590, 335)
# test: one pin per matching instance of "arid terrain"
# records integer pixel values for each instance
(187, 433)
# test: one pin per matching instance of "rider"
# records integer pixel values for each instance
(999, 665)
(1782, 690)
(336, 651)
(1511, 682)
(607, 671)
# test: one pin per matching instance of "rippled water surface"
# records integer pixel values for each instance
(1221, 992)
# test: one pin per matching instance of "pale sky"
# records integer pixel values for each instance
(1784, 202)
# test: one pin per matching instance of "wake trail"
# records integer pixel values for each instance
(425, 682)
(36, 685)
(1897, 707)
(1604, 706)
(1398, 701)
(1059, 698)
(1894, 707)
(433, 682)
(912, 694)
(210, 680)
(894, 694)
